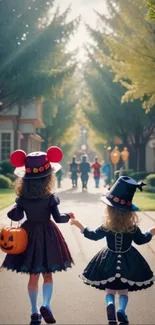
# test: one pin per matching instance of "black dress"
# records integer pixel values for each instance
(118, 266)
(47, 250)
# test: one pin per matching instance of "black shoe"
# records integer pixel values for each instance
(47, 315)
(35, 319)
(111, 313)
(122, 317)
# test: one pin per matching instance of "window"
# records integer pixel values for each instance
(5, 145)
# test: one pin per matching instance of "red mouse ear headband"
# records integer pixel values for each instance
(17, 158)
(54, 154)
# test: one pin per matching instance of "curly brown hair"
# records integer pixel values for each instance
(119, 220)
(35, 188)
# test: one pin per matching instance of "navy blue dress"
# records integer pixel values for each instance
(118, 266)
(84, 170)
(47, 250)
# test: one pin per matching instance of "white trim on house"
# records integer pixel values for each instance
(12, 141)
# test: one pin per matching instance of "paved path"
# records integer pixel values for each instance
(73, 302)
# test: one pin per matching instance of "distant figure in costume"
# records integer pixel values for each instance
(119, 267)
(96, 170)
(84, 170)
(47, 251)
(59, 174)
(107, 172)
(74, 172)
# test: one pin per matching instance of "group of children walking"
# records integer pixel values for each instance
(84, 168)
(118, 268)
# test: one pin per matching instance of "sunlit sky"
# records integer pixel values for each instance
(84, 8)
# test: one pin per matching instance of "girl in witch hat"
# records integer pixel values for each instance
(119, 267)
(47, 251)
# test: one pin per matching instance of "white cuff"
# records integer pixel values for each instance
(82, 231)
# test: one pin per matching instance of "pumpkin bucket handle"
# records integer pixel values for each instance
(19, 224)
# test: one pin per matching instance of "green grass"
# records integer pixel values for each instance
(7, 197)
(145, 201)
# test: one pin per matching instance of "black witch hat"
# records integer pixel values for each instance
(121, 194)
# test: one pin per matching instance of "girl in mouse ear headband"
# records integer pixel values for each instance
(47, 251)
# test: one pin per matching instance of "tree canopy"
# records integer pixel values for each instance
(112, 118)
(150, 4)
(32, 35)
(131, 43)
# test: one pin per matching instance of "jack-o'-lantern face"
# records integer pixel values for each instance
(13, 240)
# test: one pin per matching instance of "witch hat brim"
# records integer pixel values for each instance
(132, 207)
(20, 172)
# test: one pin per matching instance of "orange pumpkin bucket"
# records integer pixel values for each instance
(13, 240)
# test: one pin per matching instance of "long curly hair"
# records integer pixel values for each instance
(35, 188)
(119, 220)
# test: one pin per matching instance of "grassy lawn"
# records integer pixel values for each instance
(7, 197)
(145, 201)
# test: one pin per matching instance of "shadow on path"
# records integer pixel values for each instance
(83, 196)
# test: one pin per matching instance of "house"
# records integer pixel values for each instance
(27, 137)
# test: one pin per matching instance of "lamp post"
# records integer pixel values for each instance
(115, 157)
(116, 154)
(125, 156)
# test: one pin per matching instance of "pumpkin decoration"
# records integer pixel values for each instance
(13, 240)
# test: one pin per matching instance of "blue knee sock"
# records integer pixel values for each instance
(123, 301)
(47, 294)
(109, 298)
(33, 295)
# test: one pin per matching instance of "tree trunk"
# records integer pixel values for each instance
(45, 135)
(137, 160)
(132, 159)
(142, 157)
(17, 126)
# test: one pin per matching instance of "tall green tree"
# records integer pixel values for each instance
(150, 4)
(111, 118)
(131, 42)
(31, 39)
(59, 114)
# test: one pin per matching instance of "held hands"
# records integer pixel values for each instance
(71, 214)
(76, 223)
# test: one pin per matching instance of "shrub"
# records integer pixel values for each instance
(139, 176)
(11, 176)
(5, 182)
(127, 172)
(149, 189)
(150, 179)
(6, 167)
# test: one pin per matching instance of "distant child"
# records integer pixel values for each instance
(47, 251)
(74, 168)
(84, 169)
(96, 170)
(59, 174)
(119, 267)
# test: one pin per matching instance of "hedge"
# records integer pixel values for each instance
(5, 182)
(6, 167)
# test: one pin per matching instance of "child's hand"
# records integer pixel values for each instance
(152, 231)
(76, 223)
(72, 216)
